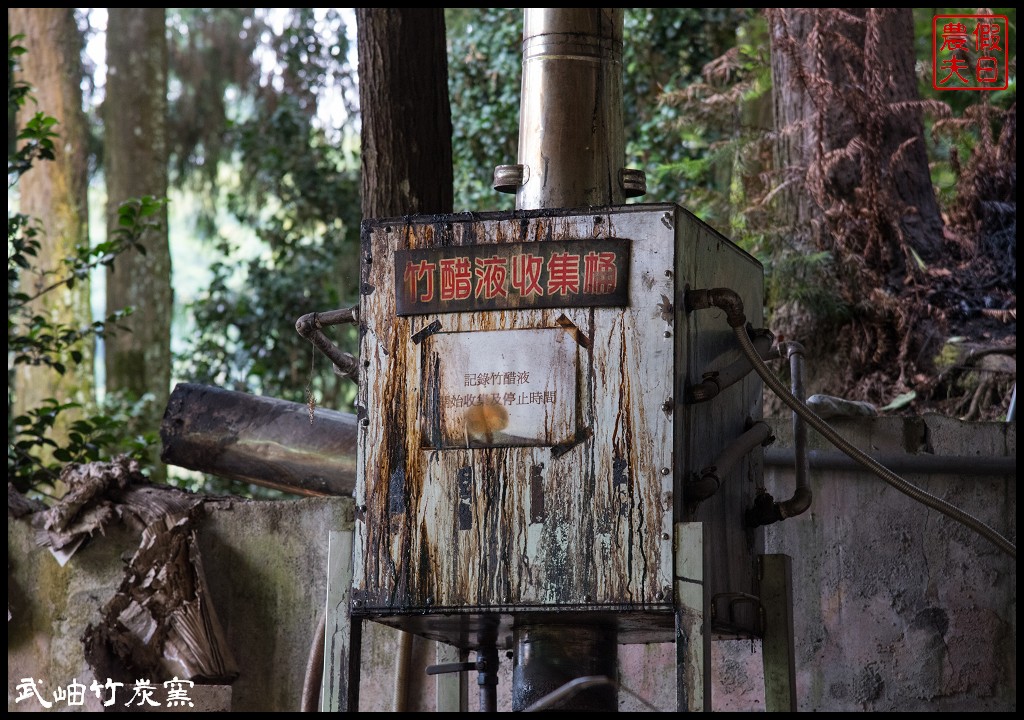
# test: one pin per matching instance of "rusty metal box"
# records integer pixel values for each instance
(522, 435)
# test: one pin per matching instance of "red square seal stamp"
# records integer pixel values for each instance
(969, 52)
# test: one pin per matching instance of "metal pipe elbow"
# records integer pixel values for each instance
(703, 487)
(710, 478)
(714, 382)
(796, 505)
(722, 298)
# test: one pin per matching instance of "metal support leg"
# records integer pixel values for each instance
(693, 644)
(343, 637)
(777, 645)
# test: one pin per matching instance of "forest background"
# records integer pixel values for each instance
(184, 183)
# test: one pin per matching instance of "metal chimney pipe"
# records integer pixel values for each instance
(571, 137)
(571, 154)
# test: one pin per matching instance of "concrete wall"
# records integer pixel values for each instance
(265, 566)
(896, 606)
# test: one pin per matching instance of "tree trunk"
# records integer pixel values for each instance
(406, 116)
(406, 169)
(845, 91)
(55, 193)
(855, 184)
(138, 358)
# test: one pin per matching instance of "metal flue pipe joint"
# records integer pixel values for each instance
(571, 154)
(571, 136)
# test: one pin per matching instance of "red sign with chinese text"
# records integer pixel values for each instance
(574, 273)
(969, 52)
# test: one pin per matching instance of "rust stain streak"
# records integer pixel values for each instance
(491, 525)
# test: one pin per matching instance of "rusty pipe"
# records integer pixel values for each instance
(710, 478)
(801, 499)
(310, 326)
(766, 510)
(549, 657)
(313, 680)
(721, 298)
(923, 463)
(261, 440)
(714, 382)
(730, 301)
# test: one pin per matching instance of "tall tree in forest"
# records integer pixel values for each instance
(287, 172)
(406, 116)
(406, 157)
(55, 193)
(138, 359)
(856, 198)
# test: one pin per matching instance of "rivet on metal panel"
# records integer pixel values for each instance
(667, 406)
(598, 219)
(665, 471)
(357, 603)
(430, 601)
(586, 598)
(668, 273)
(665, 536)
(659, 595)
(666, 220)
(364, 422)
(668, 333)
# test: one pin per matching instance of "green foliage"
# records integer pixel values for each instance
(34, 455)
(664, 52)
(294, 183)
(299, 192)
(717, 117)
(484, 80)
(210, 54)
(864, 291)
(806, 279)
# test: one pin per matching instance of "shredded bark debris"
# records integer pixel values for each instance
(160, 622)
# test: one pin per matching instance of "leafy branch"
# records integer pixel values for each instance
(34, 456)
